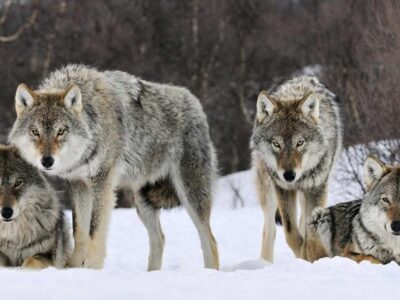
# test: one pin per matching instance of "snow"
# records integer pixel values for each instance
(243, 275)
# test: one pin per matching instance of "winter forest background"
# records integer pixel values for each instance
(225, 52)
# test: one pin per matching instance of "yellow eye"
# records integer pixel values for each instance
(18, 183)
(300, 143)
(276, 144)
(61, 132)
(35, 132)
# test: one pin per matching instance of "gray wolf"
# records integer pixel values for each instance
(33, 232)
(367, 229)
(297, 138)
(103, 129)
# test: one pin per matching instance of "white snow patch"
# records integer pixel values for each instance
(244, 275)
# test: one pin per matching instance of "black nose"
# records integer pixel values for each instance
(395, 226)
(7, 212)
(289, 175)
(47, 161)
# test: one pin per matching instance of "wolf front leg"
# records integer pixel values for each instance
(103, 203)
(287, 208)
(82, 199)
(312, 248)
(265, 192)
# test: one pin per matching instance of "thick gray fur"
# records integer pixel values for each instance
(363, 227)
(152, 137)
(37, 229)
(301, 110)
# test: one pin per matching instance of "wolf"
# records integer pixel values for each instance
(367, 229)
(100, 129)
(297, 138)
(33, 231)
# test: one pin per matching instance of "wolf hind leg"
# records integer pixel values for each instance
(266, 197)
(196, 198)
(150, 217)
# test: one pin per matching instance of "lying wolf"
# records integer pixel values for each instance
(99, 129)
(367, 229)
(33, 232)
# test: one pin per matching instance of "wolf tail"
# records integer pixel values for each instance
(321, 224)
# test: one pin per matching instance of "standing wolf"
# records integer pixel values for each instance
(98, 129)
(367, 229)
(296, 139)
(33, 232)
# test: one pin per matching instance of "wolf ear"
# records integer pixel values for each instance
(24, 98)
(73, 98)
(310, 107)
(265, 106)
(374, 169)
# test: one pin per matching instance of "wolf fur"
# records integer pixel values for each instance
(34, 234)
(99, 129)
(367, 229)
(296, 140)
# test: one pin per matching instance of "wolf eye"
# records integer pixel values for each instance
(35, 132)
(385, 199)
(276, 144)
(300, 143)
(61, 132)
(18, 183)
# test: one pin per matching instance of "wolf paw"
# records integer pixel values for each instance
(76, 261)
(36, 262)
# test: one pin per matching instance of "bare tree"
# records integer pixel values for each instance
(16, 34)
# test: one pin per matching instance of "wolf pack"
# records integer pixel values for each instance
(99, 130)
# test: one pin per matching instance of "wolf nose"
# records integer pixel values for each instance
(289, 176)
(395, 226)
(7, 212)
(47, 161)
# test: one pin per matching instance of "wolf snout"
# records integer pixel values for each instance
(7, 213)
(395, 227)
(289, 175)
(47, 161)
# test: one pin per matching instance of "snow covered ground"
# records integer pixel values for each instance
(243, 275)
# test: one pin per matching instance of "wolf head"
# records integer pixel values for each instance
(49, 130)
(18, 180)
(381, 203)
(287, 135)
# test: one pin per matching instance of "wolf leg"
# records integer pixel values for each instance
(303, 221)
(312, 248)
(196, 197)
(81, 213)
(287, 208)
(103, 203)
(268, 204)
(150, 217)
(36, 262)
